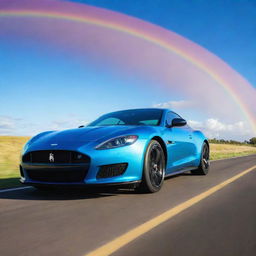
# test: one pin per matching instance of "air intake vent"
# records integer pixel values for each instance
(60, 174)
(112, 170)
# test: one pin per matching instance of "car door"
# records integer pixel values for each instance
(180, 144)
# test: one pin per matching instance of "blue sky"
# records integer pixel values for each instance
(43, 88)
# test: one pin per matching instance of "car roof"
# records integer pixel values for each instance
(163, 109)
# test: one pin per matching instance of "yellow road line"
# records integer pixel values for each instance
(126, 238)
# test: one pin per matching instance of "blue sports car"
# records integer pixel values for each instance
(137, 146)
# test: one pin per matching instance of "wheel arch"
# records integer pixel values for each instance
(161, 142)
(207, 143)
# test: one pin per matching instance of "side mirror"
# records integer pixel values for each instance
(178, 122)
(81, 126)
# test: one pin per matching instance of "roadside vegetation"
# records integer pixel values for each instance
(221, 151)
(251, 142)
(230, 148)
(10, 148)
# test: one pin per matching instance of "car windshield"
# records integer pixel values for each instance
(130, 117)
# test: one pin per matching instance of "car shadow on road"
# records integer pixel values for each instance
(9, 182)
(188, 173)
(63, 194)
(31, 193)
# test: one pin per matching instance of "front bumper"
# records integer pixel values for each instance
(78, 184)
(88, 174)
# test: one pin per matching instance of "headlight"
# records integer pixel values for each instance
(118, 142)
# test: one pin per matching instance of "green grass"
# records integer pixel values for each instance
(221, 151)
(10, 148)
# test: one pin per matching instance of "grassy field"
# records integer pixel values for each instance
(10, 147)
(220, 151)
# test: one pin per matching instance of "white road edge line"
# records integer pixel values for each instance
(13, 189)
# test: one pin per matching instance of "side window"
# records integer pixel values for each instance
(170, 116)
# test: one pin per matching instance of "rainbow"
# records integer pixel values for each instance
(147, 35)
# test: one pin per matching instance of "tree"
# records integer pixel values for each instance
(253, 141)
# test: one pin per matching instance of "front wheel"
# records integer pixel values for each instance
(204, 165)
(154, 168)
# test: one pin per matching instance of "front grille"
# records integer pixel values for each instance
(58, 174)
(112, 170)
(55, 156)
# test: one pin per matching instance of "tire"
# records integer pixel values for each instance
(154, 168)
(204, 165)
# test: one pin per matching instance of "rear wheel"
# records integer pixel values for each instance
(154, 168)
(204, 165)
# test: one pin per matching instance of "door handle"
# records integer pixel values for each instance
(190, 136)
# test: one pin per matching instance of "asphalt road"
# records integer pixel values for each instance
(77, 222)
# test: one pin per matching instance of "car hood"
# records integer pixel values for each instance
(89, 134)
(85, 134)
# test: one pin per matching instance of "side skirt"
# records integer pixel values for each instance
(185, 169)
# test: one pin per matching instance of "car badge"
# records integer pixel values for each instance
(54, 144)
(51, 157)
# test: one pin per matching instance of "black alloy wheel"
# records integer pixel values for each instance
(154, 168)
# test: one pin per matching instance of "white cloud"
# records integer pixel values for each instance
(213, 128)
(175, 104)
(7, 124)
(67, 123)
(16, 126)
